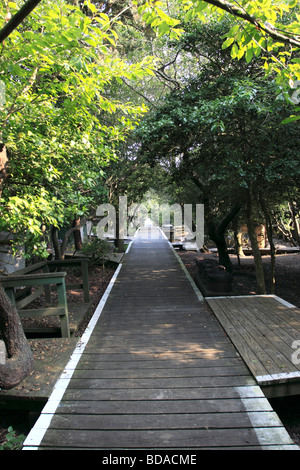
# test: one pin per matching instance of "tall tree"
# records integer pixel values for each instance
(219, 132)
(55, 123)
(266, 28)
(57, 67)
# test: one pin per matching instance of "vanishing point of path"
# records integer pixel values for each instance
(157, 373)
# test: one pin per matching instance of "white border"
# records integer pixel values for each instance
(274, 379)
(270, 432)
(190, 279)
(279, 299)
(35, 436)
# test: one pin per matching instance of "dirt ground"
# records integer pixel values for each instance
(287, 273)
(287, 287)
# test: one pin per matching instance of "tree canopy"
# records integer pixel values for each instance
(266, 28)
(58, 67)
(79, 77)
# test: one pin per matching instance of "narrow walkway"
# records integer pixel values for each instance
(156, 371)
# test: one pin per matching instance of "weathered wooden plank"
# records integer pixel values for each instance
(273, 331)
(276, 315)
(92, 361)
(162, 439)
(111, 370)
(30, 298)
(155, 395)
(33, 279)
(255, 359)
(178, 356)
(275, 322)
(145, 421)
(250, 333)
(161, 322)
(116, 407)
(158, 372)
(42, 312)
(32, 268)
(138, 334)
(267, 330)
(138, 346)
(128, 410)
(263, 339)
(159, 395)
(209, 347)
(162, 383)
(191, 372)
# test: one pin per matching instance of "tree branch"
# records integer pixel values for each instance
(138, 93)
(241, 13)
(229, 217)
(18, 18)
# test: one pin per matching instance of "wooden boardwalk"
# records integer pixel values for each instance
(266, 332)
(156, 371)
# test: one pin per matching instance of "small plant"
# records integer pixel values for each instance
(12, 441)
(97, 249)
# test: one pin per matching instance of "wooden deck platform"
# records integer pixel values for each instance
(155, 371)
(266, 332)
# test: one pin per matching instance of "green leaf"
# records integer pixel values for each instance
(234, 51)
(162, 14)
(290, 119)
(227, 43)
(92, 7)
(249, 55)
(233, 30)
(163, 28)
(190, 14)
(201, 6)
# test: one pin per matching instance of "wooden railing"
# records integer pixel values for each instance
(51, 277)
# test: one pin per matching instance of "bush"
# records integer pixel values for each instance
(96, 249)
(12, 441)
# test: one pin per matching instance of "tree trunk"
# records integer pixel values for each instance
(260, 279)
(61, 249)
(219, 239)
(77, 234)
(271, 241)
(238, 243)
(273, 260)
(55, 243)
(19, 362)
(3, 163)
(217, 235)
(294, 213)
(119, 240)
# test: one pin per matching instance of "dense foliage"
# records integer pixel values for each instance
(77, 76)
(221, 136)
(56, 124)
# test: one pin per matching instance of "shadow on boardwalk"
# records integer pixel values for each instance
(155, 370)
